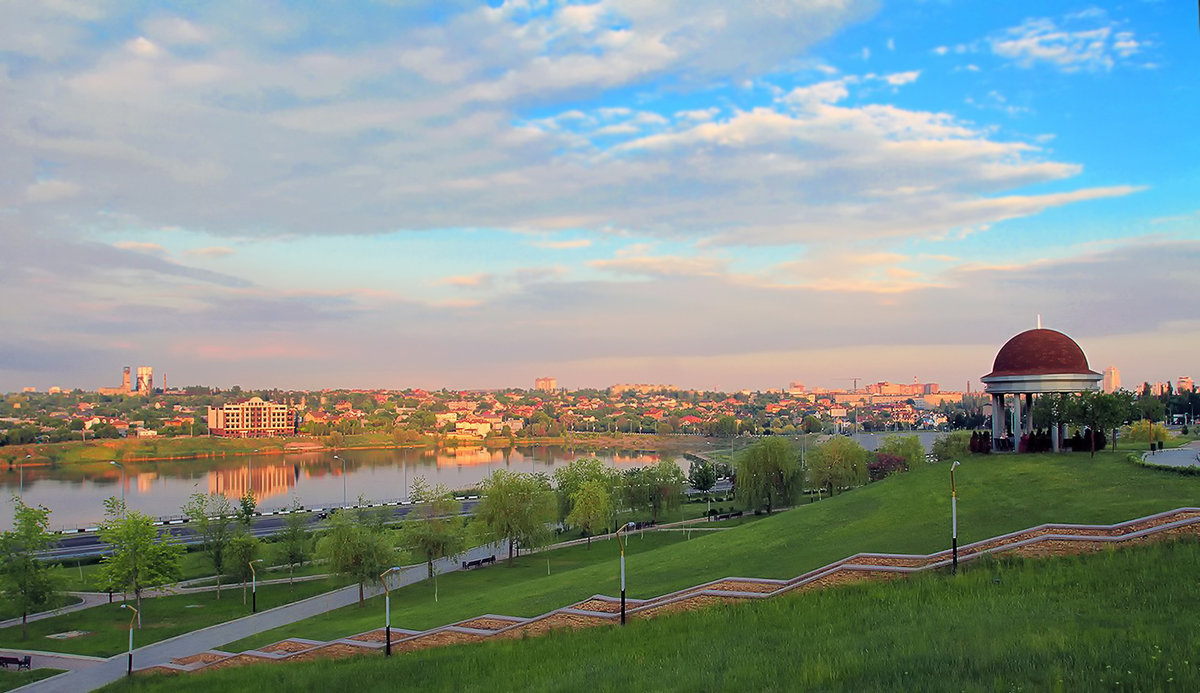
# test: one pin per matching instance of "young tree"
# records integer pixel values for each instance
(702, 476)
(908, 448)
(210, 518)
(358, 550)
(591, 508)
(666, 482)
(837, 463)
(243, 548)
(295, 540)
(141, 559)
(28, 581)
(434, 530)
(516, 507)
(245, 510)
(569, 479)
(769, 474)
(1098, 411)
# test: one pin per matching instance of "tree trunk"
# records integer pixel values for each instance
(24, 616)
(361, 601)
(430, 564)
(218, 585)
(291, 576)
(510, 552)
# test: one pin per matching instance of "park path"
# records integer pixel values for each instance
(85, 677)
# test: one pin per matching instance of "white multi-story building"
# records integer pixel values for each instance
(254, 418)
(1112, 379)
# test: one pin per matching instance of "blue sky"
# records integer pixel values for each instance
(709, 194)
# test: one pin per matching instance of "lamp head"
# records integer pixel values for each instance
(956, 463)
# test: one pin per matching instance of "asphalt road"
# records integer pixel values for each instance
(88, 543)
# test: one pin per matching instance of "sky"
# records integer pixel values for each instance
(713, 195)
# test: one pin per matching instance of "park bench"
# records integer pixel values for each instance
(20, 662)
(467, 565)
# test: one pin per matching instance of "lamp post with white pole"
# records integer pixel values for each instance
(122, 468)
(343, 461)
(953, 519)
(387, 609)
(627, 525)
(253, 586)
(129, 667)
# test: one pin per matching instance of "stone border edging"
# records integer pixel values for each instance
(1045, 539)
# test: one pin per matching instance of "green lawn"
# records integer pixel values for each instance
(162, 618)
(909, 513)
(1116, 620)
(8, 609)
(15, 679)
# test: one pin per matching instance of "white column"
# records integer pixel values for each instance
(1016, 427)
(997, 417)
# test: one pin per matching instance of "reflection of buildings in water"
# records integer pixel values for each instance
(469, 456)
(145, 481)
(268, 480)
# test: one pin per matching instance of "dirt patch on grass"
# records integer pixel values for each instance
(700, 601)
(204, 657)
(239, 660)
(438, 639)
(559, 621)
(288, 646)
(335, 650)
(488, 623)
(601, 605)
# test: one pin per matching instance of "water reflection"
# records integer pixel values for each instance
(75, 495)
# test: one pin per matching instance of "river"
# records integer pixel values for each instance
(75, 495)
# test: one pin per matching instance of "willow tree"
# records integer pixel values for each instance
(28, 581)
(768, 475)
(517, 508)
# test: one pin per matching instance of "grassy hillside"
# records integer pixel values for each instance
(909, 513)
(1118, 620)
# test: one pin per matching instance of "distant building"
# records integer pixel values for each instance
(29, 389)
(545, 384)
(123, 390)
(1112, 379)
(641, 388)
(56, 390)
(253, 418)
(1185, 384)
(145, 380)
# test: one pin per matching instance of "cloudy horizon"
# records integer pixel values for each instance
(472, 195)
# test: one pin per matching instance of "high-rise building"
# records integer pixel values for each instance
(545, 384)
(145, 380)
(123, 390)
(1185, 384)
(1112, 379)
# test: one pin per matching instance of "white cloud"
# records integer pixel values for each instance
(901, 78)
(51, 191)
(1086, 41)
(564, 245)
(212, 251)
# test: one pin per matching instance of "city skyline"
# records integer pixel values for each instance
(476, 195)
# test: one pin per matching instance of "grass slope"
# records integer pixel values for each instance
(1117, 620)
(909, 513)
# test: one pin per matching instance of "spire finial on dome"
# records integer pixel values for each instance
(1039, 321)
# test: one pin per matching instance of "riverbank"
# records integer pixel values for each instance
(186, 448)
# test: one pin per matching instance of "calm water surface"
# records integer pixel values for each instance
(76, 496)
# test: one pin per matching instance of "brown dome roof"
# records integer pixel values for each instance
(1040, 352)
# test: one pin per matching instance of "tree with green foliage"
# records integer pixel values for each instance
(836, 464)
(954, 445)
(210, 516)
(243, 548)
(295, 540)
(569, 479)
(908, 448)
(1098, 411)
(812, 424)
(768, 475)
(247, 505)
(356, 549)
(140, 558)
(515, 507)
(28, 581)
(591, 508)
(666, 483)
(702, 475)
(435, 529)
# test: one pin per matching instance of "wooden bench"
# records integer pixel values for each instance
(21, 662)
(467, 565)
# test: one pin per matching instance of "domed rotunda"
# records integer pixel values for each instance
(1033, 363)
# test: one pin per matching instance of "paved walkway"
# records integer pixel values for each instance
(103, 672)
(1185, 456)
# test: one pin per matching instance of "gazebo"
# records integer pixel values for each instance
(1035, 362)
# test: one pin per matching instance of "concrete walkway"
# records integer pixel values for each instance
(103, 672)
(1185, 456)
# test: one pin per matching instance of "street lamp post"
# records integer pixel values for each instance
(129, 667)
(343, 461)
(627, 525)
(953, 519)
(122, 468)
(387, 610)
(253, 586)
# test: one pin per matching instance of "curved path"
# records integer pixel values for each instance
(87, 676)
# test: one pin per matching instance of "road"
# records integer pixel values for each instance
(87, 544)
